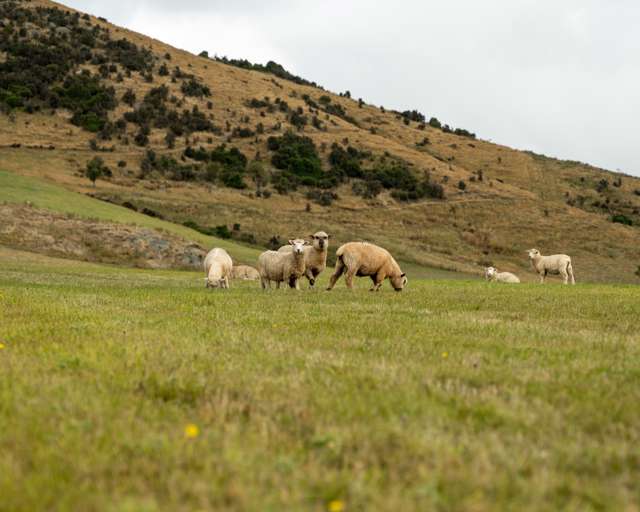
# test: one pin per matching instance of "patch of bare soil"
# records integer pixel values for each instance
(55, 234)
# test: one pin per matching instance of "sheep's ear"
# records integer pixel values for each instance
(290, 242)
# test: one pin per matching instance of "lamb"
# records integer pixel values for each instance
(364, 259)
(492, 274)
(217, 267)
(245, 273)
(556, 264)
(282, 266)
(315, 256)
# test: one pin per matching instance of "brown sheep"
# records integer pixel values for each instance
(364, 259)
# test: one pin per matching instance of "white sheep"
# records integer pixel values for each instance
(315, 256)
(558, 264)
(364, 259)
(245, 273)
(282, 267)
(492, 274)
(217, 267)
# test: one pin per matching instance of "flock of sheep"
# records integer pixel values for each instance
(354, 259)
(558, 264)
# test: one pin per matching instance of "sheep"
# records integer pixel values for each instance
(364, 259)
(492, 274)
(217, 267)
(556, 264)
(281, 266)
(315, 256)
(245, 273)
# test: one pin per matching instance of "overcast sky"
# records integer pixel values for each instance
(559, 77)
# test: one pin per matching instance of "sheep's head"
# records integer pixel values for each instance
(399, 282)
(298, 245)
(489, 273)
(320, 240)
(215, 283)
(533, 253)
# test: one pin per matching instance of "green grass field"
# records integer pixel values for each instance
(131, 390)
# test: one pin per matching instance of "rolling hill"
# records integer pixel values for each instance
(214, 142)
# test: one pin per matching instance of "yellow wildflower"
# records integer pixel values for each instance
(191, 431)
(336, 506)
(1, 346)
(445, 355)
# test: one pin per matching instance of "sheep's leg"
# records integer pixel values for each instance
(542, 276)
(226, 283)
(349, 278)
(340, 268)
(265, 283)
(570, 271)
(374, 284)
(277, 285)
(378, 280)
(565, 276)
(311, 277)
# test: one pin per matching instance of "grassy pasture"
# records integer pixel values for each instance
(126, 389)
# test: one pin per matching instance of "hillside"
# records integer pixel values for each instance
(199, 140)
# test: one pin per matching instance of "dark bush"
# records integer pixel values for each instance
(322, 197)
(297, 155)
(233, 179)
(194, 88)
(88, 100)
(413, 115)
(602, 185)
(622, 219)
(222, 232)
(129, 55)
(283, 182)
(346, 162)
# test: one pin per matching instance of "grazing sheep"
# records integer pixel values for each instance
(556, 264)
(217, 267)
(245, 273)
(282, 266)
(364, 259)
(492, 274)
(315, 256)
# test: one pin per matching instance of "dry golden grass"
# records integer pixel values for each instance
(521, 202)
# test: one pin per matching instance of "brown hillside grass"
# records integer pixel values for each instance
(523, 200)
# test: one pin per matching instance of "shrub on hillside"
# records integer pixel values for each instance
(88, 100)
(194, 88)
(346, 162)
(621, 219)
(129, 55)
(298, 156)
(95, 169)
(369, 189)
(322, 197)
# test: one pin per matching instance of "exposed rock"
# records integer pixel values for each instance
(56, 234)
